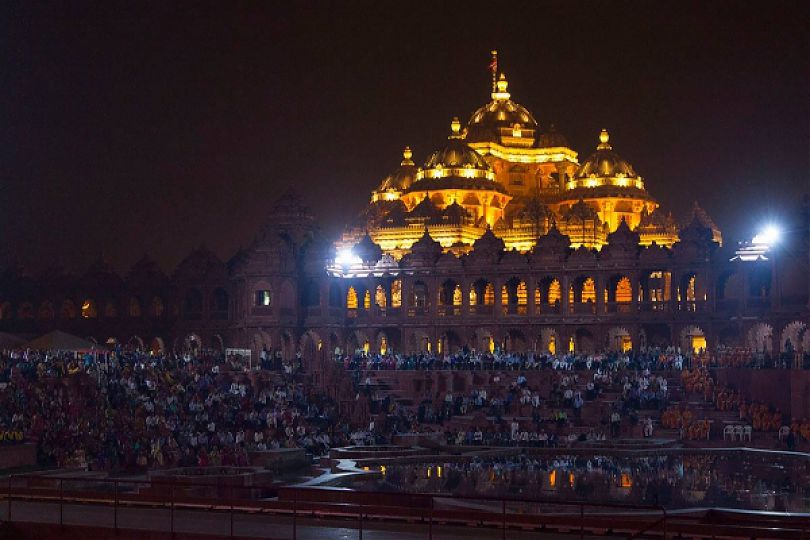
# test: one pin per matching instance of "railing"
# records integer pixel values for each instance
(549, 309)
(482, 310)
(448, 311)
(619, 307)
(502, 513)
(587, 308)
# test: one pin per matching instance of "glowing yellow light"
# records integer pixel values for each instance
(626, 481)
(552, 478)
(439, 471)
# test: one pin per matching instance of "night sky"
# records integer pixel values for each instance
(138, 129)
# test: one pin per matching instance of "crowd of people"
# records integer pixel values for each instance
(134, 410)
(138, 411)
(653, 358)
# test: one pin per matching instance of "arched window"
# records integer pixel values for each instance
(89, 310)
(193, 304)
(396, 293)
(473, 297)
(504, 295)
(420, 295)
(522, 294)
(157, 308)
(379, 297)
(263, 298)
(110, 310)
(68, 310)
(554, 292)
(457, 295)
(219, 300)
(367, 300)
(46, 311)
(690, 289)
(624, 291)
(26, 311)
(351, 298)
(312, 293)
(588, 291)
(134, 307)
(489, 295)
(334, 295)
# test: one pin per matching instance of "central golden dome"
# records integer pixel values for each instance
(502, 120)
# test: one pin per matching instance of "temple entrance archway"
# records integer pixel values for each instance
(760, 338)
(484, 340)
(549, 341)
(515, 341)
(619, 339)
(693, 340)
(136, 343)
(584, 341)
(794, 337)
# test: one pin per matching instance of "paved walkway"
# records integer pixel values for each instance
(257, 525)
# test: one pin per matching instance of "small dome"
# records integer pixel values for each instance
(456, 154)
(402, 177)
(552, 139)
(455, 166)
(605, 162)
(486, 124)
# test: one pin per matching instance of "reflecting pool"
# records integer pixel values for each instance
(740, 479)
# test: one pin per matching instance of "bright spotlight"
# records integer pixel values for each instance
(346, 257)
(768, 236)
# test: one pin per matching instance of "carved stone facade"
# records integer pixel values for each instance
(287, 292)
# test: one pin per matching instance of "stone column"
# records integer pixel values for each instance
(564, 285)
(600, 294)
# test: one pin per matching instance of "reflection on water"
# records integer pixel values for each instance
(743, 480)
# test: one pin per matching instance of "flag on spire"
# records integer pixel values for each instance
(493, 67)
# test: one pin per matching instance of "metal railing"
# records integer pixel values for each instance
(431, 510)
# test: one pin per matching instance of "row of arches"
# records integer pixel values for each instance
(515, 293)
(193, 307)
(794, 337)
(546, 340)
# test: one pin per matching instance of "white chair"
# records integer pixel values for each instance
(747, 431)
(728, 432)
(738, 432)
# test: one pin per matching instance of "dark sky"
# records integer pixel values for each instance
(128, 129)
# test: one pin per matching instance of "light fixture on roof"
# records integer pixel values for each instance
(346, 257)
(768, 236)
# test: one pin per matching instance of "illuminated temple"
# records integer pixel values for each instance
(502, 172)
(503, 237)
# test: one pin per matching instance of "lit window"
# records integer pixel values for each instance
(379, 297)
(351, 298)
(89, 310)
(588, 291)
(396, 293)
(263, 298)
